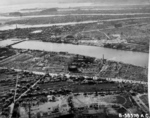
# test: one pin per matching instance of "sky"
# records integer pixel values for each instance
(15, 5)
(16, 2)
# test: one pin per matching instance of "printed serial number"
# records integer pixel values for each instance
(134, 115)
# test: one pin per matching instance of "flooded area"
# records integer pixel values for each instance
(97, 52)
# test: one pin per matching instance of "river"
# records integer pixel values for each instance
(4, 43)
(135, 58)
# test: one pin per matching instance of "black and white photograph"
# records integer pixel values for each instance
(74, 58)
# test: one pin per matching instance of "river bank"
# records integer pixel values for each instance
(132, 36)
(92, 51)
(63, 62)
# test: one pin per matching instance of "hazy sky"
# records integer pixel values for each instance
(14, 2)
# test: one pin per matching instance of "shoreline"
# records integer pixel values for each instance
(86, 44)
(79, 43)
(62, 38)
(100, 69)
(81, 54)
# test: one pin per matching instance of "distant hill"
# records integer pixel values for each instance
(47, 11)
(15, 14)
(29, 9)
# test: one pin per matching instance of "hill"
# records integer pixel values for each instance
(47, 11)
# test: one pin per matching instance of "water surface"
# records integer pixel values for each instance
(135, 58)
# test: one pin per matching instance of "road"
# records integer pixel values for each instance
(141, 103)
(126, 80)
(68, 75)
(27, 90)
(12, 105)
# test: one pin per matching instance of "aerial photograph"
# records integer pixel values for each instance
(74, 58)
